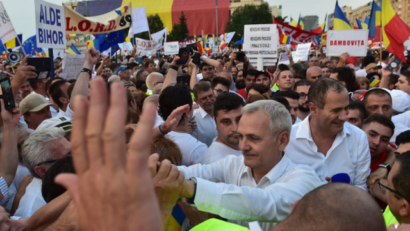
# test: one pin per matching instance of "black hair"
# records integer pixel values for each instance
(203, 64)
(220, 80)
(381, 119)
(201, 86)
(251, 72)
(56, 92)
(367, 60)
(319, 89)
(393, 78)
(299, 77)
(297, 67)
(346, 75)
(283, 67)
(302, 82)
(288, 94)
(227, 102)
(403, 138)
(283, 101)
(303, 73)
(401, 181)
(171, 98)
(376, 91)
(358, 105)
(49, 189)
(385, 55)
(259, 88)
(406, 73)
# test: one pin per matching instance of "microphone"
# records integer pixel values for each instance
(341, 178)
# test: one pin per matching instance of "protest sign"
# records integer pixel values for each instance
(354, 42)
(50, 25)
(115, 20)
(186, 42)
(72, 65)
(144, 46)
(260, 41)
(7, 31)
(80, 41)
(302, 52)
(171, 48)
(160, 37)
(283, 58)
(126, 47)
(139, 20)
(266, 62)
(298, 36)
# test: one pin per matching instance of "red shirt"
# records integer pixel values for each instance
(243, 93)
(374, 166)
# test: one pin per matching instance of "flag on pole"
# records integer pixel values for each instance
(340, 21)
(361, 25)
(200, 47)
(293, 23)
(73, 50)
(14, 42)
(320, 29)
(395, 31)
(375, 22)
(301, 24)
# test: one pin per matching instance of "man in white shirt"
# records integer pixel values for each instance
(40, 150)
(206, 127)
(171, 98)
(302, 88)
(227, 111)
(325, 142)
(35, 108)
(293, 99)
(263, 184)
(58, 93)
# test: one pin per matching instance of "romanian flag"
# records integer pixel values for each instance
(200, 47)
(374, 82)
(361, 25)
(366, 20)
(93, 43)
(293, 22)
(320, 29)
(73, 50)
(375, 22)
(14, 42)
(285, 39)
(301, 24)
(395, 31)
(340, 21)
(39, 54)
(177, 219)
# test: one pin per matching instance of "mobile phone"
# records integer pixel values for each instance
(181, 79)
(41, 64)
(240, 56)
(393, 64)
(183, 55)
(6, 94)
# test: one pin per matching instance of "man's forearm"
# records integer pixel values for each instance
(213, 63)
(9, 153)
(81, 85)
(170, 79)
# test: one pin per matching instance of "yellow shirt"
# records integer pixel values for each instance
(389, 218)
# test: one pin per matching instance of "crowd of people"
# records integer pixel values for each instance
(212, 143)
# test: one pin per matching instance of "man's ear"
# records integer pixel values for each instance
(313, 108)
(63, 100)
(40, 171)
(283, 140)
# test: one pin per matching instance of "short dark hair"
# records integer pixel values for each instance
(288, 94)
(297, 67)
(303, 82)
(171, 98)
(250, 72)
(393, 78)
(406, 73)
(358, 105)
(401, 181)
(381, 119)
(33, 83)
(385, 55)
(227, 102)
(303, 73)
(220, 80)
(49, 82)
(346, 75)
(297, 76)
(376, 91)
(259, 88)
(334, 58)
(203, 64)
(367, 60)
(283, 67)
(403, 138)
(56, 92)
(49, 189)
(283, 101)
(147, 63)
(318, 90)
(70, 89)
(201, 86)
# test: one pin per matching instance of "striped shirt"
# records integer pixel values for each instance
(4, 189)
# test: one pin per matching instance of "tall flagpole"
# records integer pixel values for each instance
(217, 32)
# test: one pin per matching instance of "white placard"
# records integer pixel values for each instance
(302, 52)
(261, 41)
(283, 58)
(139, 20)
(7, 31)
(171, 48)
(72, 65)
(354, 42)
(50, 25)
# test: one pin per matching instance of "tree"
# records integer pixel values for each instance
(155, 24)
(245, 15)
(179, 31)
(280, 18)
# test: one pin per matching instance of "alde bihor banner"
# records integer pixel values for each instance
(115, 20)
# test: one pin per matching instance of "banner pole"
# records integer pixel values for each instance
(22, 48)
(51, 56)
(152, 45)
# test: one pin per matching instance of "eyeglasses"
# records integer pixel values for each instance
(204, 99)
(303, 95)
(52, 161)
(220, 91)
(391, 190)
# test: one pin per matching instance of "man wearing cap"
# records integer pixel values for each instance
(35, 108)
(372, 68)
(124, 72)
(59, 122)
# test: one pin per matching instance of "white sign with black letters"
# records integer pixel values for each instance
(171, 48)
(302, 52)
(261, 41)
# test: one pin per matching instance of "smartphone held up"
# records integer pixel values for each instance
(6, 94)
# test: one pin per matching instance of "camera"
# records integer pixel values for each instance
(240, 56)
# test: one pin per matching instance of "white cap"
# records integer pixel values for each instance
(60, 122)
(401, 100)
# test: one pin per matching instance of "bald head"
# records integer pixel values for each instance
(314, 73)
(227, 75)
(153, 79)
(335, 206)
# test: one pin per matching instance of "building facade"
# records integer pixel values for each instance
(276, 10)
(234, 4)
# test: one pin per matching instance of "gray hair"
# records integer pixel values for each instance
(139, 74)
(35, 148)
(114, 78)
(279, 117)
(20, 128)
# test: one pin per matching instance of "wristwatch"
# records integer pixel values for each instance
(387, 166)
(190, 201)
(86, 70)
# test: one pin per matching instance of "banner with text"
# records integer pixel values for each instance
(353, 42)
(72, 65)
(115, 20)
(7, 31)
(261, 41)
(139, 20)
(302, 52)
(144, 46)
(171, 48)
(79, 41)
(186, 42)
(298, 36)
(50, 25)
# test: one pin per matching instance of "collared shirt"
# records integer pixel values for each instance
(241, 199)
(206, 127)
(398, 128)
(403, 118)
(348, 154)
(192, 149)
(60, 113)
(218, 151)
(4, 189)
(32, 199)
(53, 111)
(297, 120)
